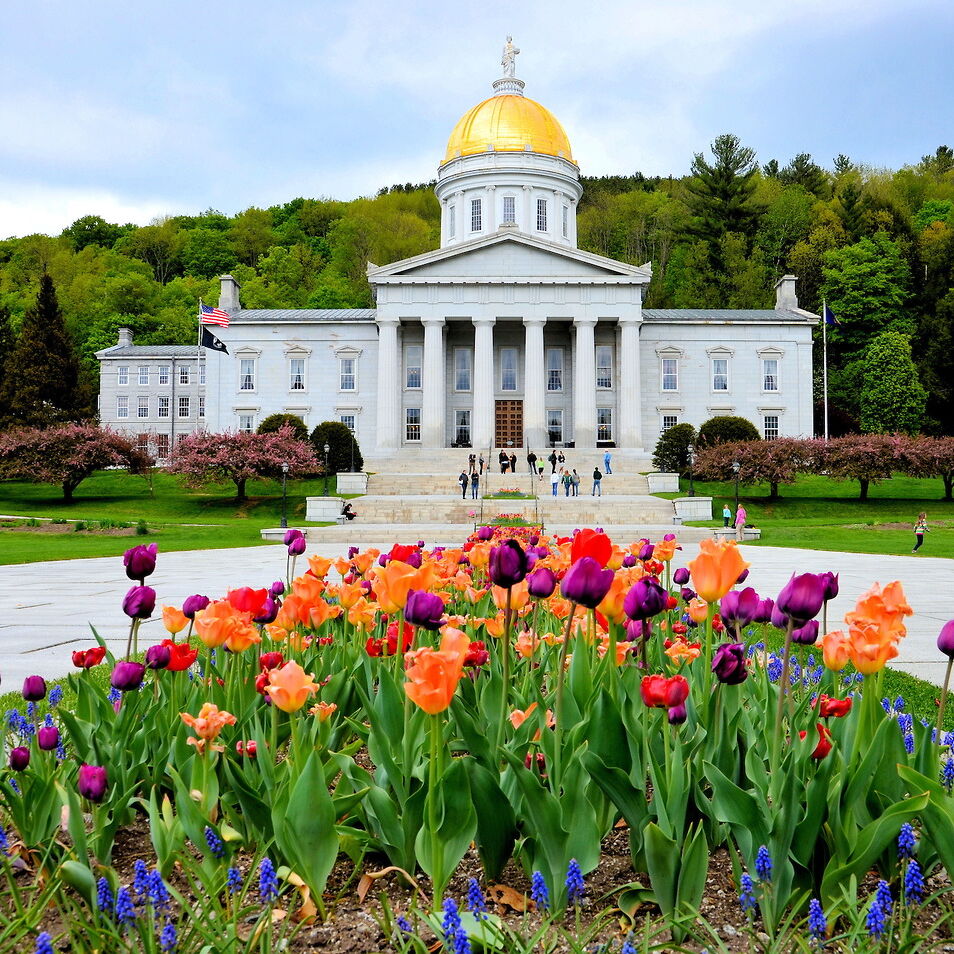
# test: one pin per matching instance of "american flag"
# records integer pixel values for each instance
(213, 316)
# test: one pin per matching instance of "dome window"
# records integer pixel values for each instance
(475, 215)
(509, 210)
(541, 215)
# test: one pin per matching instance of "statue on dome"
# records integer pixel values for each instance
(509, 59)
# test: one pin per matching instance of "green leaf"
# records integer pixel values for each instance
(496, 822)
(662, 860)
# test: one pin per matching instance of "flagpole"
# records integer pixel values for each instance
(825, 361)
(198, 369)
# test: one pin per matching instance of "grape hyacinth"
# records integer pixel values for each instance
(114, 695)
(817, 923)
(476, 903)
(909, 743)
(159, 896)
(233, 880)
(44, 944)
(104, 896)
(267, 881)
(125, 910)
(140, 877)
(4, 841)
(55, 697)
(747, 893)
(168, 941)
(539, 893)
(575, 889)
(883, 897)
(913, 883)
(455, 937)
(403, 924)
(763, 864)
(214, 843)
(906, 842)
(875, 919)
(947, 775)
(627, 948)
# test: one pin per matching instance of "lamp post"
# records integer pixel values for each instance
(351, 435)
(284, 496)
(691, 451)
(327, 448)
(735, 469)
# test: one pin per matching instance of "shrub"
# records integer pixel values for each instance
(672, 449)
(723, 430)
(142, 528)
(341, 445)
(274, 422)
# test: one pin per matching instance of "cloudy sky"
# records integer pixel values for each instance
(132, 110)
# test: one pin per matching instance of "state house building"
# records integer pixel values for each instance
(506, 335)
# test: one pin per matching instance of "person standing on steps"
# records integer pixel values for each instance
(575, 483)
(480, 464)
(513, 463)
(532, 463)
(504, 461)
(474, 485)
(554, 482)
(472, 464)
(561, 458)
(567, 482)
(463, 481)
(726, 515)
(553, 461)
(920, 528)
(597, 479)
(607, 457)
(740, 517)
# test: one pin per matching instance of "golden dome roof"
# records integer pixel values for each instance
(508, 123)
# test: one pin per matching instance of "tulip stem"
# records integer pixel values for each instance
(782, 692)
(558, 707)
(504, 675)
(943, 705)
(434, 774)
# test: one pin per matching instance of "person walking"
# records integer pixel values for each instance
(726, 515)
(920, 528)
(554, 482)
(740, 517)
(567, 482)
(561, 458)
(607, 457)
(597, 479)
(575, 483)
(474, 485)
(463, 481)
(504, 461)
(480, 465)
(513, 463)
(553, 461)
(532, 463)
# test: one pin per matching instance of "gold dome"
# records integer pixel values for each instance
(508, 123)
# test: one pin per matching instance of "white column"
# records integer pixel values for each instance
(630, 392)
(463, 218)
(389, 393)
(534, 377)
(490, 209)
(584, 383)
(528, 217)
(433, 385)
(482, 419)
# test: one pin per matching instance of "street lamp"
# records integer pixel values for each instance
(327, 448)
(284, 496)
(351, 436)
(691, 451)
(735, 469)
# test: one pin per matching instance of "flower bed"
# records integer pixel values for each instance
(533, 697)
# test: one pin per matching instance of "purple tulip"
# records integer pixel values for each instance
(140, 561)
(806, 635)
(743, 576)
(34, 688)
(91, 782)
(420, 544)
(19, 758)
(638, 629)
(777, 618)
(297, 546)
(802, 597)
(830, 584)
(277, 588)
(158, 656)
(728, 664)
(463, 560)
(424, 609)
(48, 737)
(534, 540)
(193, 604)
(139, 602)
(485, 533)
(677, 714)
(739, 606)
(541, 583)
(384, 559)
(681, 576)
(764, 613)
(127, 675)
(270, 610)
(629, 560)
(945, 640)
(290, 535)
(645, 598)
(687, 593)
(353, 552)
(508, 564)
(586, 583)
(670, 536)
(646, 551)
(414, 559)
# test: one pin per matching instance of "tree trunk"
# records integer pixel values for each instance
(948, 485)
(240, 490)
(68, 487)
(864, 489)
(773, 490)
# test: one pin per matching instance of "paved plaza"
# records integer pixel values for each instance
(46, 609)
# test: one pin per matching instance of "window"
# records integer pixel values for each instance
(412, 424)
(554, 369)
(347, 375)
(475, 216)
(720, 374)
(162, 446)
(509, 209)
(122, 374)
(201, 372)
(452, 221)
(541, 215)
(566, 222)
(555, 426)
(604, 423)
(122, 406)
(348, 420)
(143, 410)
(163, 408)
(164, 374)
(247, 374)
(246, 423)
(184, 406)
(604, 366)
(770, 374)
(296, 374)
(669, 420)
(770, 427)
(144, 375)
(413, 356)
(184, 374)
(142, 443)
(508, 369)
(670, 374)
(462, 428)
(201, 405)
(462, 369)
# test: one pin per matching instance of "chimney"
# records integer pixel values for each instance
(229, 294)
(125, 337)
(785, 297)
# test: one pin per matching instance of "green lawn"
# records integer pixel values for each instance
(822, 514)
(178, 518)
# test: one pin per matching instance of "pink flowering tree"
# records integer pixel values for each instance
(67, 454)
(932, 457)
(203, 458)
(863, 457)
(772, 462)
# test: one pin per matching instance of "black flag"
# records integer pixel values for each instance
(212, 343)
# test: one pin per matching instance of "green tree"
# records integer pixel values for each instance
(252, 234)
(850, 208)
(787, 220)
(724, 430)
(936, 363)
(7, 343)
(207, 252)
(93, 230)
(275, 422)
(158, 245)
(805, 173)
(343, 448)
(671, 455)
(892, 399)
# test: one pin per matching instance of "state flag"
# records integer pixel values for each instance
(212, 343)
(829, 316)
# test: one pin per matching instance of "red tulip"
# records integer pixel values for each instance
(87, 658)
(824, 741)
(662, 693)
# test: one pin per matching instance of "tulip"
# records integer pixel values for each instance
(835, 650)
(645, 598)
(140, 561)
(127, 676)
(268, 612)
(802, 597)
(716, 568)
(485, 533)
(739, 606)
(91, 782)
(541, 583)
(48, 737)
(193, 604)
(629, 561)
(824, 741)
(273, 660)
(508, 564)
(728, 664)
(591, 543)
(646, 551)
(777, 618)
(743, 576)
(806, 635)
(290, 687)
(210, 721)
(87, 658)
(291, 535)
(677, 714)
(433, 674)
(586, 582)
(764, 613)
(662, 693)
(687, 593)
(424, 609)
(174, 619)
(277, 588)
(829, 584)
(680, 576)
(698, 610)
(249, 748)
(181, 655)
(637, 629)
(158, 656)
(19, 758)
(297, 546)
(34, 688)
(945, 639)
(139, 602)
(828, 707)
(477, 655)
(248, 600)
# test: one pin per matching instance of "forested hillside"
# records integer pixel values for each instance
(877, 244)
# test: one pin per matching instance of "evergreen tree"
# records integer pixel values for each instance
(42, 385)
(802, 171)
(721, 191)
(842, 164)
(7, 343)
(850, 209)
(936, 363)
(892, 399)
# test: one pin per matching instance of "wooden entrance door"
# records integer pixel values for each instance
(508, 431)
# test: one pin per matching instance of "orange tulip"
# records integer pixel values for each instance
(208, 724)
(174, 619)
(243, 633)
(321, 612)
(391, 585)
(342, 565)
(319, 565)
(682, 652)
(434, 673)
(479, 555)
(216, 623)
(519, 596)
(527, 644)
(622, 649)
(665, 550)
(870, 647)
(612, 605)
(308, 588)
(495, 626)
(717, 567)
(349, 594)
(835, 649)
(474, 595)
(886, 607)
(290, 687)
(698, 610)
(363, 615)
(323, 710)
(519, 716)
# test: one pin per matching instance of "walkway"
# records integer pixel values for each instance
(46, 609)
